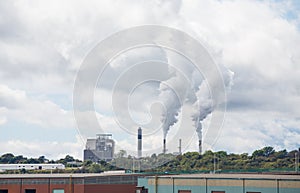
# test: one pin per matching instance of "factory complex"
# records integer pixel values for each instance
(102, 148)
(141, 183)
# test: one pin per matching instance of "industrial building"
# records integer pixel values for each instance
(4, 167)
(100, 148)
(220, 183)
(68, 183)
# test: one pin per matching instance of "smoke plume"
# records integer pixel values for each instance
(171, 101)
(205, 104)
(174, 90)
(186, 84)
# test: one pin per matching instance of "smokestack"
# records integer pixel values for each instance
(139, 142)
(200, 147)
(179, 147)
(164, 147)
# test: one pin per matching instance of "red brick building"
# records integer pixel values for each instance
(68, 183)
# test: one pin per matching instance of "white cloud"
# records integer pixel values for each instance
(3, 120)
(43, 45)
(47, 148)
(246, 132)
(45, 114)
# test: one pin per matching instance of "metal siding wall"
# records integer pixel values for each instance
(109, 188)
(227, 189)
(194, 189)
(260, 189)
(164, 189)
(229, 186)
(289, 190)
(289, 184)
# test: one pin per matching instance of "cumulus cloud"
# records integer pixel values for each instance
(255, 129)
(37, 148)
(43, 44)
(43, 113)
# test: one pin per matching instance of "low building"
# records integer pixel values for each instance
(4, 167)
(219, 183)
(68, 183)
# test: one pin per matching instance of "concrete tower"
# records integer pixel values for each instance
(139, 142)
(179, 147)
(200, 147)
(164, 146)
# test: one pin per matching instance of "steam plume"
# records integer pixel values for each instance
(205, 104)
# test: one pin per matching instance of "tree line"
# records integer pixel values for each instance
(263, 159)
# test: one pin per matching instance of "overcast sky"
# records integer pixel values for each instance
(43, 44)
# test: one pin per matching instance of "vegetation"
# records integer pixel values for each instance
(265, 159)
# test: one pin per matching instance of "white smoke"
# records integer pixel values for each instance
(172, 93)
(172, 108)
(186, 84)
(205, 104)
(174, 90)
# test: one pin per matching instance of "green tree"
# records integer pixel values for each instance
(7, 158)
(122, 153)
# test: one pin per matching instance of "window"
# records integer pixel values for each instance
(184, 191)
(3, 191)
(217, 191)
(30, 191)
(58, 191)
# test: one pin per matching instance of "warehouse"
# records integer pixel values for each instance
(4, 167)
(68, 183)
(220, 183)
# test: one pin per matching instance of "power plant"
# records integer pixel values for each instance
(139, 142)
(100, 148)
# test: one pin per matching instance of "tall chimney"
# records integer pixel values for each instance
(179, 147)
(139, 142)
(200, 147)
(164, 147)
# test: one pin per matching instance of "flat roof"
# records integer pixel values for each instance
(233, 176)
(64, 175)
(180, 176)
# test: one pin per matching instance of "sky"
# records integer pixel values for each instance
(44, 43)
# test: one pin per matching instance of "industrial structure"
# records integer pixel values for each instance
(179, 147)
(4, 167)
(200, 146)
(68, 183)
(220, 183)
(139, 148)
(100, 148)
(164, 146)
